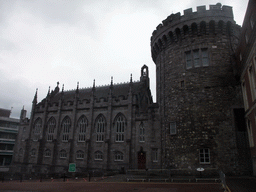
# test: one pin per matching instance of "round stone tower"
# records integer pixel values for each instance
(197, 91)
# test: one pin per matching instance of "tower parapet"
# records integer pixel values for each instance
(218, 19)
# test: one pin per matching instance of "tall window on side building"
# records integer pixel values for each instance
(204, 156)
(252, 82)
(66, 126)
(250, 135)
(100, 128)
(81, 127)
(51, 125)
(205, 60)
(188, 60)
(245, 95)
(173, 130)
(119, 126)
(196, 58)
(142, 132)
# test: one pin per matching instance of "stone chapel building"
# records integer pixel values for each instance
(111, 127)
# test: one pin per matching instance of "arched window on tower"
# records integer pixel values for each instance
(66, 126)
(81, 127)
(165, 40)
(51, 125)
(178, 33)
(220, 26)
(170, 34)
(212, 27)
(229, 28)
(203, 28)
(119, 125)
(194, 28)
(160, 43)
(156, 47)
(185, 30)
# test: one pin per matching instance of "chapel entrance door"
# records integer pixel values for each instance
(141, 160)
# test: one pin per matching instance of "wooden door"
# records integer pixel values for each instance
(141, 160)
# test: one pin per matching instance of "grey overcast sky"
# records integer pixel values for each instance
(72, 41)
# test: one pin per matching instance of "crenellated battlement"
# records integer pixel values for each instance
(218, 19)
(215, 10)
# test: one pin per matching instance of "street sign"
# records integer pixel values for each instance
(72, 167)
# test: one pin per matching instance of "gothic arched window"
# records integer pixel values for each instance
(51, 125)
(98, 155)
(66, 126)
(33, 152)
(100, 128)
(47, 153)
(81, 127)
(79, 154)
(119, 126)
(119, 156)
(63, 154)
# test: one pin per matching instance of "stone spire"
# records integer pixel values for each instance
(35, 97)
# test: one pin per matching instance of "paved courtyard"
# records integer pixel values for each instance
(107, 187)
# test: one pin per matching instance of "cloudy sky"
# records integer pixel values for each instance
(70, 41)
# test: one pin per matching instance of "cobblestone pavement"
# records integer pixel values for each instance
(108, 187)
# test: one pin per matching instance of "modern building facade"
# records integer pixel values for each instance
(111, 127)
(200, 101)
(246, 63)
(8, 133)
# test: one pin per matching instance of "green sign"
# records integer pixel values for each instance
(72, 167)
